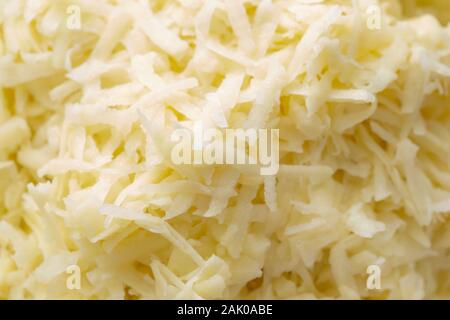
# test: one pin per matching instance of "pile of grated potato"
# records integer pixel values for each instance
(90, 92)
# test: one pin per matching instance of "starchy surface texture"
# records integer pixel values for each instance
(90, 92)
